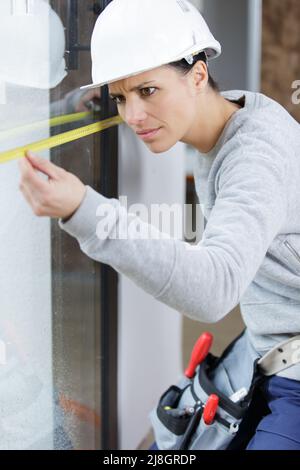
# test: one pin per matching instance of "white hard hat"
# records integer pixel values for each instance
(134, 36)
(32, 44)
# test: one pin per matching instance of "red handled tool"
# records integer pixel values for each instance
(199, 353)
(210, 409)
(207, 413)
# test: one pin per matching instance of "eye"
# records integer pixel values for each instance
(118, 99)
(148, 91)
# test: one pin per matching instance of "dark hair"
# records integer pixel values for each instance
(183, 66)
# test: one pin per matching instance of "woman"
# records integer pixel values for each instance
(247, 178)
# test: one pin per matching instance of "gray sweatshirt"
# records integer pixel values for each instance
(249, 188)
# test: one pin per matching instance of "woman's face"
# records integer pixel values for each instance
(158, 105)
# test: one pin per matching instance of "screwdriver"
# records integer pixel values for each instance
(199, 353)
(191, 428)
(210, 409)
(180, 412)
(207, 413)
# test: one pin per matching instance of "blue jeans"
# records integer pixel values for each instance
(279, 430)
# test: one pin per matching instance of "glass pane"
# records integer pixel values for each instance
(49, 291)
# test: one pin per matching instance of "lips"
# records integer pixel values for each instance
(148, 134)
(147, 131)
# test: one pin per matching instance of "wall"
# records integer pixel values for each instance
(236, 24)
(281, 51)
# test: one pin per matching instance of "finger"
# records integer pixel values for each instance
(81, 108)
(87, 99)
(34, 199)
(95, 93)
(27, 194)
(37, 209)
(30, 176)
(43, 165)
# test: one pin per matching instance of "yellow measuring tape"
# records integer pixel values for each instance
(55, 121)
(60, 139)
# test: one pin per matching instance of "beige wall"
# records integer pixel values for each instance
(281, 51)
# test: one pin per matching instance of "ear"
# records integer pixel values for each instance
(200, 75)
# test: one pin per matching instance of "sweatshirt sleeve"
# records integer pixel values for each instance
(204, 281)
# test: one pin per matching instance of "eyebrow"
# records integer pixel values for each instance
(139, 87)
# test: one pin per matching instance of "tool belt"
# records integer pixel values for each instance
(203, 412)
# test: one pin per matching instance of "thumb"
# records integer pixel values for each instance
(43, 165)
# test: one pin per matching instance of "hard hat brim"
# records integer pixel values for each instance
(214, 52)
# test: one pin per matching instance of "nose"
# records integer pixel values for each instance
(135, 112)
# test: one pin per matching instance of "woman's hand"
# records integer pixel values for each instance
(89, 101)
(59, 197)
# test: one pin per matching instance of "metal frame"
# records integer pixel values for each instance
(73, 46)
(109, 288)
(109, 284)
